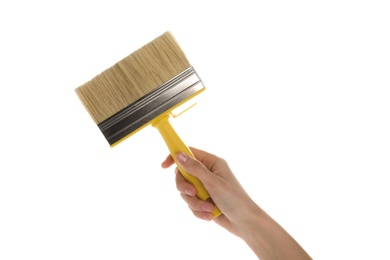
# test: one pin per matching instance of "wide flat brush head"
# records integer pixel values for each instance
(133, 77)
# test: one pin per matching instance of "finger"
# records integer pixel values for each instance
(167, 162)
(203, 215)
(196, 168)
(207, 159)
(198, 205)
(183, 186)
(213, 163)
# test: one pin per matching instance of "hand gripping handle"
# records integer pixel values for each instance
(175, 145)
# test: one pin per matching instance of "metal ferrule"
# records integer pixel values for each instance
(141, 112)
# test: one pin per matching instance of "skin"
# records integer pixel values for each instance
(241, 215)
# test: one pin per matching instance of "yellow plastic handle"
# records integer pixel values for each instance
(175, 145)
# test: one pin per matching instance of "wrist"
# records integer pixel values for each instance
(250, 220)
(269, 240)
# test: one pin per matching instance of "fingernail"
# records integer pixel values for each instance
(182, 157)
(189, 192)
(207, 217)
(208, 208)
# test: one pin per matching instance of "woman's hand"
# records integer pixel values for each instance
(240, 214)
(223, 187)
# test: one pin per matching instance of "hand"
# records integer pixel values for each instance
(223, 187)
(241, 215)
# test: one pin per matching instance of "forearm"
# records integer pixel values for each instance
(268, 239)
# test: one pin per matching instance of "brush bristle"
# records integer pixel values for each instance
(133, 77)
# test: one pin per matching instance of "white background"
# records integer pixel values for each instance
(296, 101)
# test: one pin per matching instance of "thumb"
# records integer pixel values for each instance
(195, 168)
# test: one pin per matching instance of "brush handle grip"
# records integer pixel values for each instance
(175, 145)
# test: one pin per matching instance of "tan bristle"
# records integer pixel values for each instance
(133, 77)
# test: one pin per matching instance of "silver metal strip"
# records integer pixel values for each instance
(142, 111)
